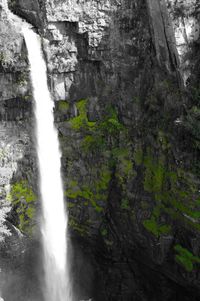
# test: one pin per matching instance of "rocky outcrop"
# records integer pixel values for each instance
(184, 15)
(30, 10)
(91, 36)
(163, 35)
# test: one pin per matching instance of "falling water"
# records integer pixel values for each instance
(54, 224)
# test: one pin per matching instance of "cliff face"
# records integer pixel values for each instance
(128, 130)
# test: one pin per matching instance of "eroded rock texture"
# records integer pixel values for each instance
(128, 122)
(17, 158)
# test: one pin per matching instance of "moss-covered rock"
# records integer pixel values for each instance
(24, 201)
(185, 258)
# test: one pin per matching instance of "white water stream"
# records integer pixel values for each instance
(54, 226)
(54, 221)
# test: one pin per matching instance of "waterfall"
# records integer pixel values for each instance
(54, 222)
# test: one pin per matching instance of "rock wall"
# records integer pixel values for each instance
(185, 20)
(17, 161)
(125, 124)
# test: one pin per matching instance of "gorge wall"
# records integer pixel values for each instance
(128, 125)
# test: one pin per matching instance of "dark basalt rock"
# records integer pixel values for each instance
(28, 10)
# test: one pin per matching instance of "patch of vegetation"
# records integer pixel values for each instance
(125, 204)
(21, 78)
(81, 229)
(145, 205)
(63, 106)
(81, 121)
(138, 155)
(94, 192)
(102, 140)
(122, 160)
(175, 193)
(154, 174)
(93, 143)
(104, 232)
(108, 143)
(23, 198)
(152, 226)
(163, 141)
(185, 258)
(98, 134)
(2, 57)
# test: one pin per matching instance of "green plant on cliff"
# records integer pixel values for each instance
(81, 121)
(95, 191)
(21, 78)
(110, 124)
(23, 198)
(155, 228)
(154, 174)
(175, 193)
(106, 141)
(108, 127)
(125, 205)
(63, 106)
(185, 258)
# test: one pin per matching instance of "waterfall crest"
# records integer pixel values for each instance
(54, 225)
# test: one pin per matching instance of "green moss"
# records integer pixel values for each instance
(145, 205)
(184, 209)
(127, 165)
(22, 190)
(104, 232)
(21, 78)
(98, 131)
(183, 202)
(2, 58)
(152, 226)
(73, 191)
(81, 229)
(63, 106)
(30, 212)
(107, 153)
(100, 137)
(122, 158)
(138, 156)
(26, 98)
(81, 121)
(23, 197)
(154, 174)
(111, 124)
(185, 258)
(174, 192)
(123, 164)
(163, 140)
(81, 106)
(93, 143)
(70, 205)
(95, 192)
(125, 204)
(104, 179)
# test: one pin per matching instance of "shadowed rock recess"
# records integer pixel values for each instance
(127, 109)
